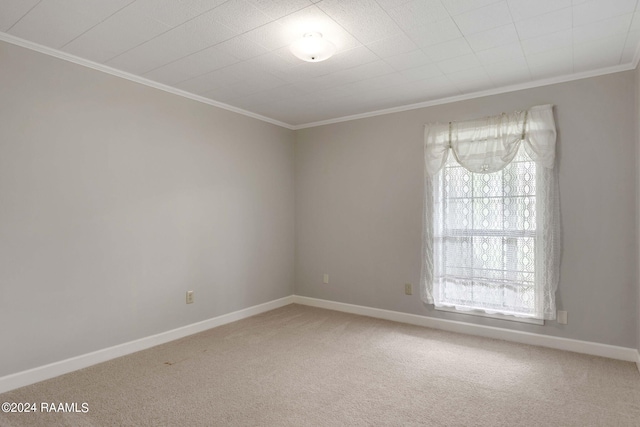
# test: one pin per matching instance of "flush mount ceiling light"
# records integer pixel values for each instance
(313, 48)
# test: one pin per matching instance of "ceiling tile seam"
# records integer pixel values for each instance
(524, 54)
(165, 32)
(237, 98)
(223, 41)
(341, 69)
(25, 14)
(475, 55)
(198, 51)
(402, 31)
(65, 56)
(551, 12)
(278, 19)
(491, 78)
(598, 20)
(573, 27)
(635, 8)
(485, 29)
(493, 83)
(407, 35)
(221, 68)
(636, 57)
(460, 92)
(544, 35)
(471, 10)
(273, 19)
(468, 44)
(240, 61)
(362, 80)
(92, 27)
(318, 5)
(526, 60)
(204, 74)
(144, 42)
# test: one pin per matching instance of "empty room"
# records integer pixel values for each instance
(319, 213)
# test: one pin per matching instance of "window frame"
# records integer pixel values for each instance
(499, 316)
(521, 156)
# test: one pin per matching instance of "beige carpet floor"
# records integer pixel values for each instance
(303, 366)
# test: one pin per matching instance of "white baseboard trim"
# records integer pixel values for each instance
(41, 373)
(585, 347)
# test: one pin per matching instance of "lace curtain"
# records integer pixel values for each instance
(491, 214)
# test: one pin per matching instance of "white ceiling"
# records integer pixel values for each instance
(390, 53)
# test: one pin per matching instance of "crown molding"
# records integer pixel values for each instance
(480, 94)
(132, 77)
(125, 75)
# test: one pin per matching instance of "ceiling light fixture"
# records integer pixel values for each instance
(313, 48)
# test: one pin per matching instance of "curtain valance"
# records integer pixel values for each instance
(489, 144)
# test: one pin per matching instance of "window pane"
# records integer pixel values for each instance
(486, 237)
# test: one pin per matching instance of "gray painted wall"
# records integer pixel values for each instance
(359, 206)
(116, 198)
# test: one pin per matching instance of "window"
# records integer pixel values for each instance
(491, 215)
(485, 233)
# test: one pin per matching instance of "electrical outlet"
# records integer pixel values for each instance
(562, 317)
(408, 289)
(189, 297)
(325, 278)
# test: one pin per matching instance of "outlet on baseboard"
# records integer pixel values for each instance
(408, 289)
(562, 317)
(189, 297)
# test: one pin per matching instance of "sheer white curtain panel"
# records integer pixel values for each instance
(491, 238)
